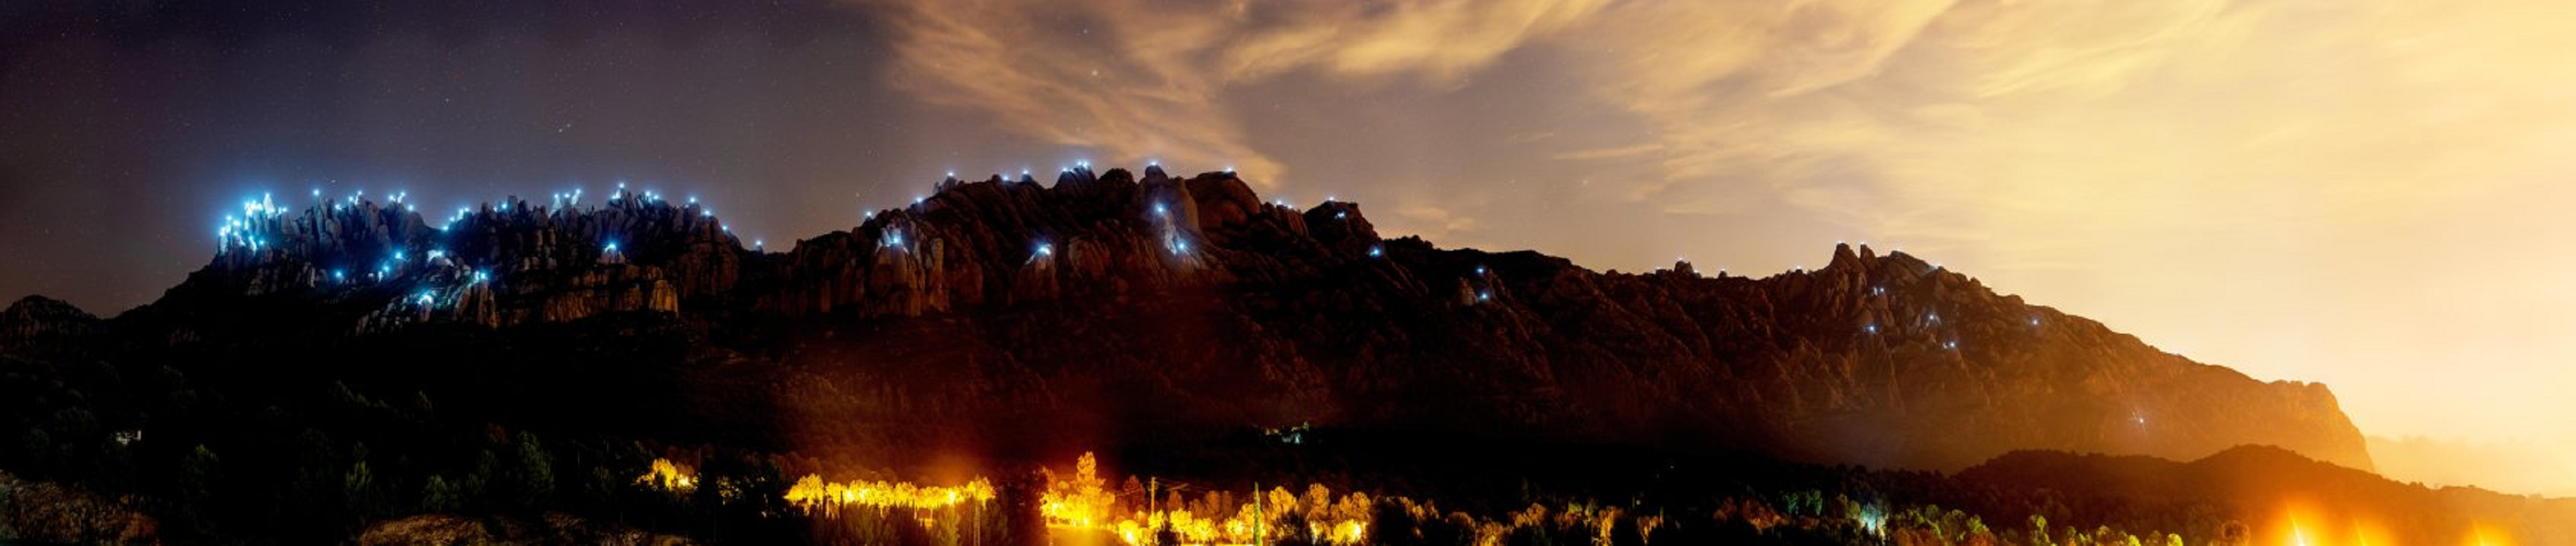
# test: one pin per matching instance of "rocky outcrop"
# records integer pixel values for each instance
(1113, 297)
(503, 264)
(38, 319)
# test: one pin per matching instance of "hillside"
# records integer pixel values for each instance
(1007, 316)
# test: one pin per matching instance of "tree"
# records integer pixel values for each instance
(358, 485)
(2234, 533)
(439, 495)
(198, 474)
(534, 471)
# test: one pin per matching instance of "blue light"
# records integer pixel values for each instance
(1376, 251)
(1180, 247)
(612, 246)
(1480, 270)
(1046, 249)
(894, 239)
(1872, 328)
(1159, 210)
(436, 254)
(755, 243)
(338, 275)
(1341, 215)
(1482, 295)
(426, 299)
(480, 276)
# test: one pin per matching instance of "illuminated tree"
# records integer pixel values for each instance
(2234, 533)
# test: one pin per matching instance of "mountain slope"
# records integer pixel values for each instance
(1010, 315)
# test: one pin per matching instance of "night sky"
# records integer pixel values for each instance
(2362, 192)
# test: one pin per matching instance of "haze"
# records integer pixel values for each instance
(2365, 193)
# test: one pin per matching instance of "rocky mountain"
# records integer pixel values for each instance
(1112, 306)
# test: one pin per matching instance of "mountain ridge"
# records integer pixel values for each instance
(1123, 305)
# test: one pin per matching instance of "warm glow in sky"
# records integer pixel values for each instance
(2373, 194)
(2367, 193)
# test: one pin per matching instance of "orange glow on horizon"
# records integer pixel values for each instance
(2304, 523)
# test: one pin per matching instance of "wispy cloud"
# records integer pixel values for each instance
(1149, 79)
(1622, 152)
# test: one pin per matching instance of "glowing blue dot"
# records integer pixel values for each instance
(1873, 328)
(1480, 270)
(436, 254)
(1376, 251)
(612, 247)
(1159, 210)
(1046, 249)
(1484, 296)
(1341, 215)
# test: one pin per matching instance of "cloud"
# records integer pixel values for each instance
(1622, 152)
(1434, 222)
(1144, 78)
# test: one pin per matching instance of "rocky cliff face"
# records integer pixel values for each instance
(498, 265)
(1110, 298)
